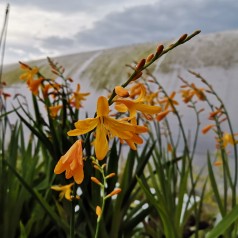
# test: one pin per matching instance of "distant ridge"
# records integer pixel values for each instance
(100, 67)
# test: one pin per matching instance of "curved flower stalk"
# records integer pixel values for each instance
(103, 185)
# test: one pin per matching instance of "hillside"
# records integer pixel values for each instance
(203, 51)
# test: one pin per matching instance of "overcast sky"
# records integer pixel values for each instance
(40, 28)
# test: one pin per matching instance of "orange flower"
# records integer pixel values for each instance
(65, 191)
(72, 163)
(54, 110)
(189, 93)
(214, 114)
(106, 127)
(136, 105)
(199, 92)
(122, 92)
(228, 139)
(29, 74)
(136, 90)
(78, 97)
(34, 85)
(169, 101)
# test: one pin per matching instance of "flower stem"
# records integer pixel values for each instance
(72, 216)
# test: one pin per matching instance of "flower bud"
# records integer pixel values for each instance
(98, 211)
(95, 180)
(182, 38)
(149, 58)
(110, 175)
(159, 50)
(114, 192)
(140, 65)
(207, 128)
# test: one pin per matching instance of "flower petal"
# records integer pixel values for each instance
(79, 175)
(118, 128)
(83, 126)
(101, 143)
(147, 108)
(60, 167)
(102, 107)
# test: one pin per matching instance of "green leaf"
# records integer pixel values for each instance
(224, 224)
(23, 233)
(38, 198)
(214, 185)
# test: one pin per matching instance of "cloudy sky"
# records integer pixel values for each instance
(40, 28)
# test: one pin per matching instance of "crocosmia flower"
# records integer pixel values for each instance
(65, 191)
(72, 163)
(106, 127)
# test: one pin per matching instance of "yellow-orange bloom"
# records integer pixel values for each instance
(228, 139)
(106, 127)
(199, 92)
(34, 85)
(54, 110)
(122, 92)
(214, 114)
(136, 105)
(29, 74)
(72, 163)
(78, 97)
(65, 191)
(169, 101)
(135, 90)
(188, 94)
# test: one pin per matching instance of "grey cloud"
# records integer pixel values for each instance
(67, 6)
(163, 20)
(57, 42)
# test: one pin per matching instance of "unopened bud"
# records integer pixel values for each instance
(182, 38)
(98, 211)
(140, 65)
(159, 50)
(196, 32)
(201, 110)
(96, 167)
(55, 72)
(70, 79)
(207, 128)
(110, 175)
(114, 192)
(149, 58)
(162, 115)
(95, 180)
(138, 75)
